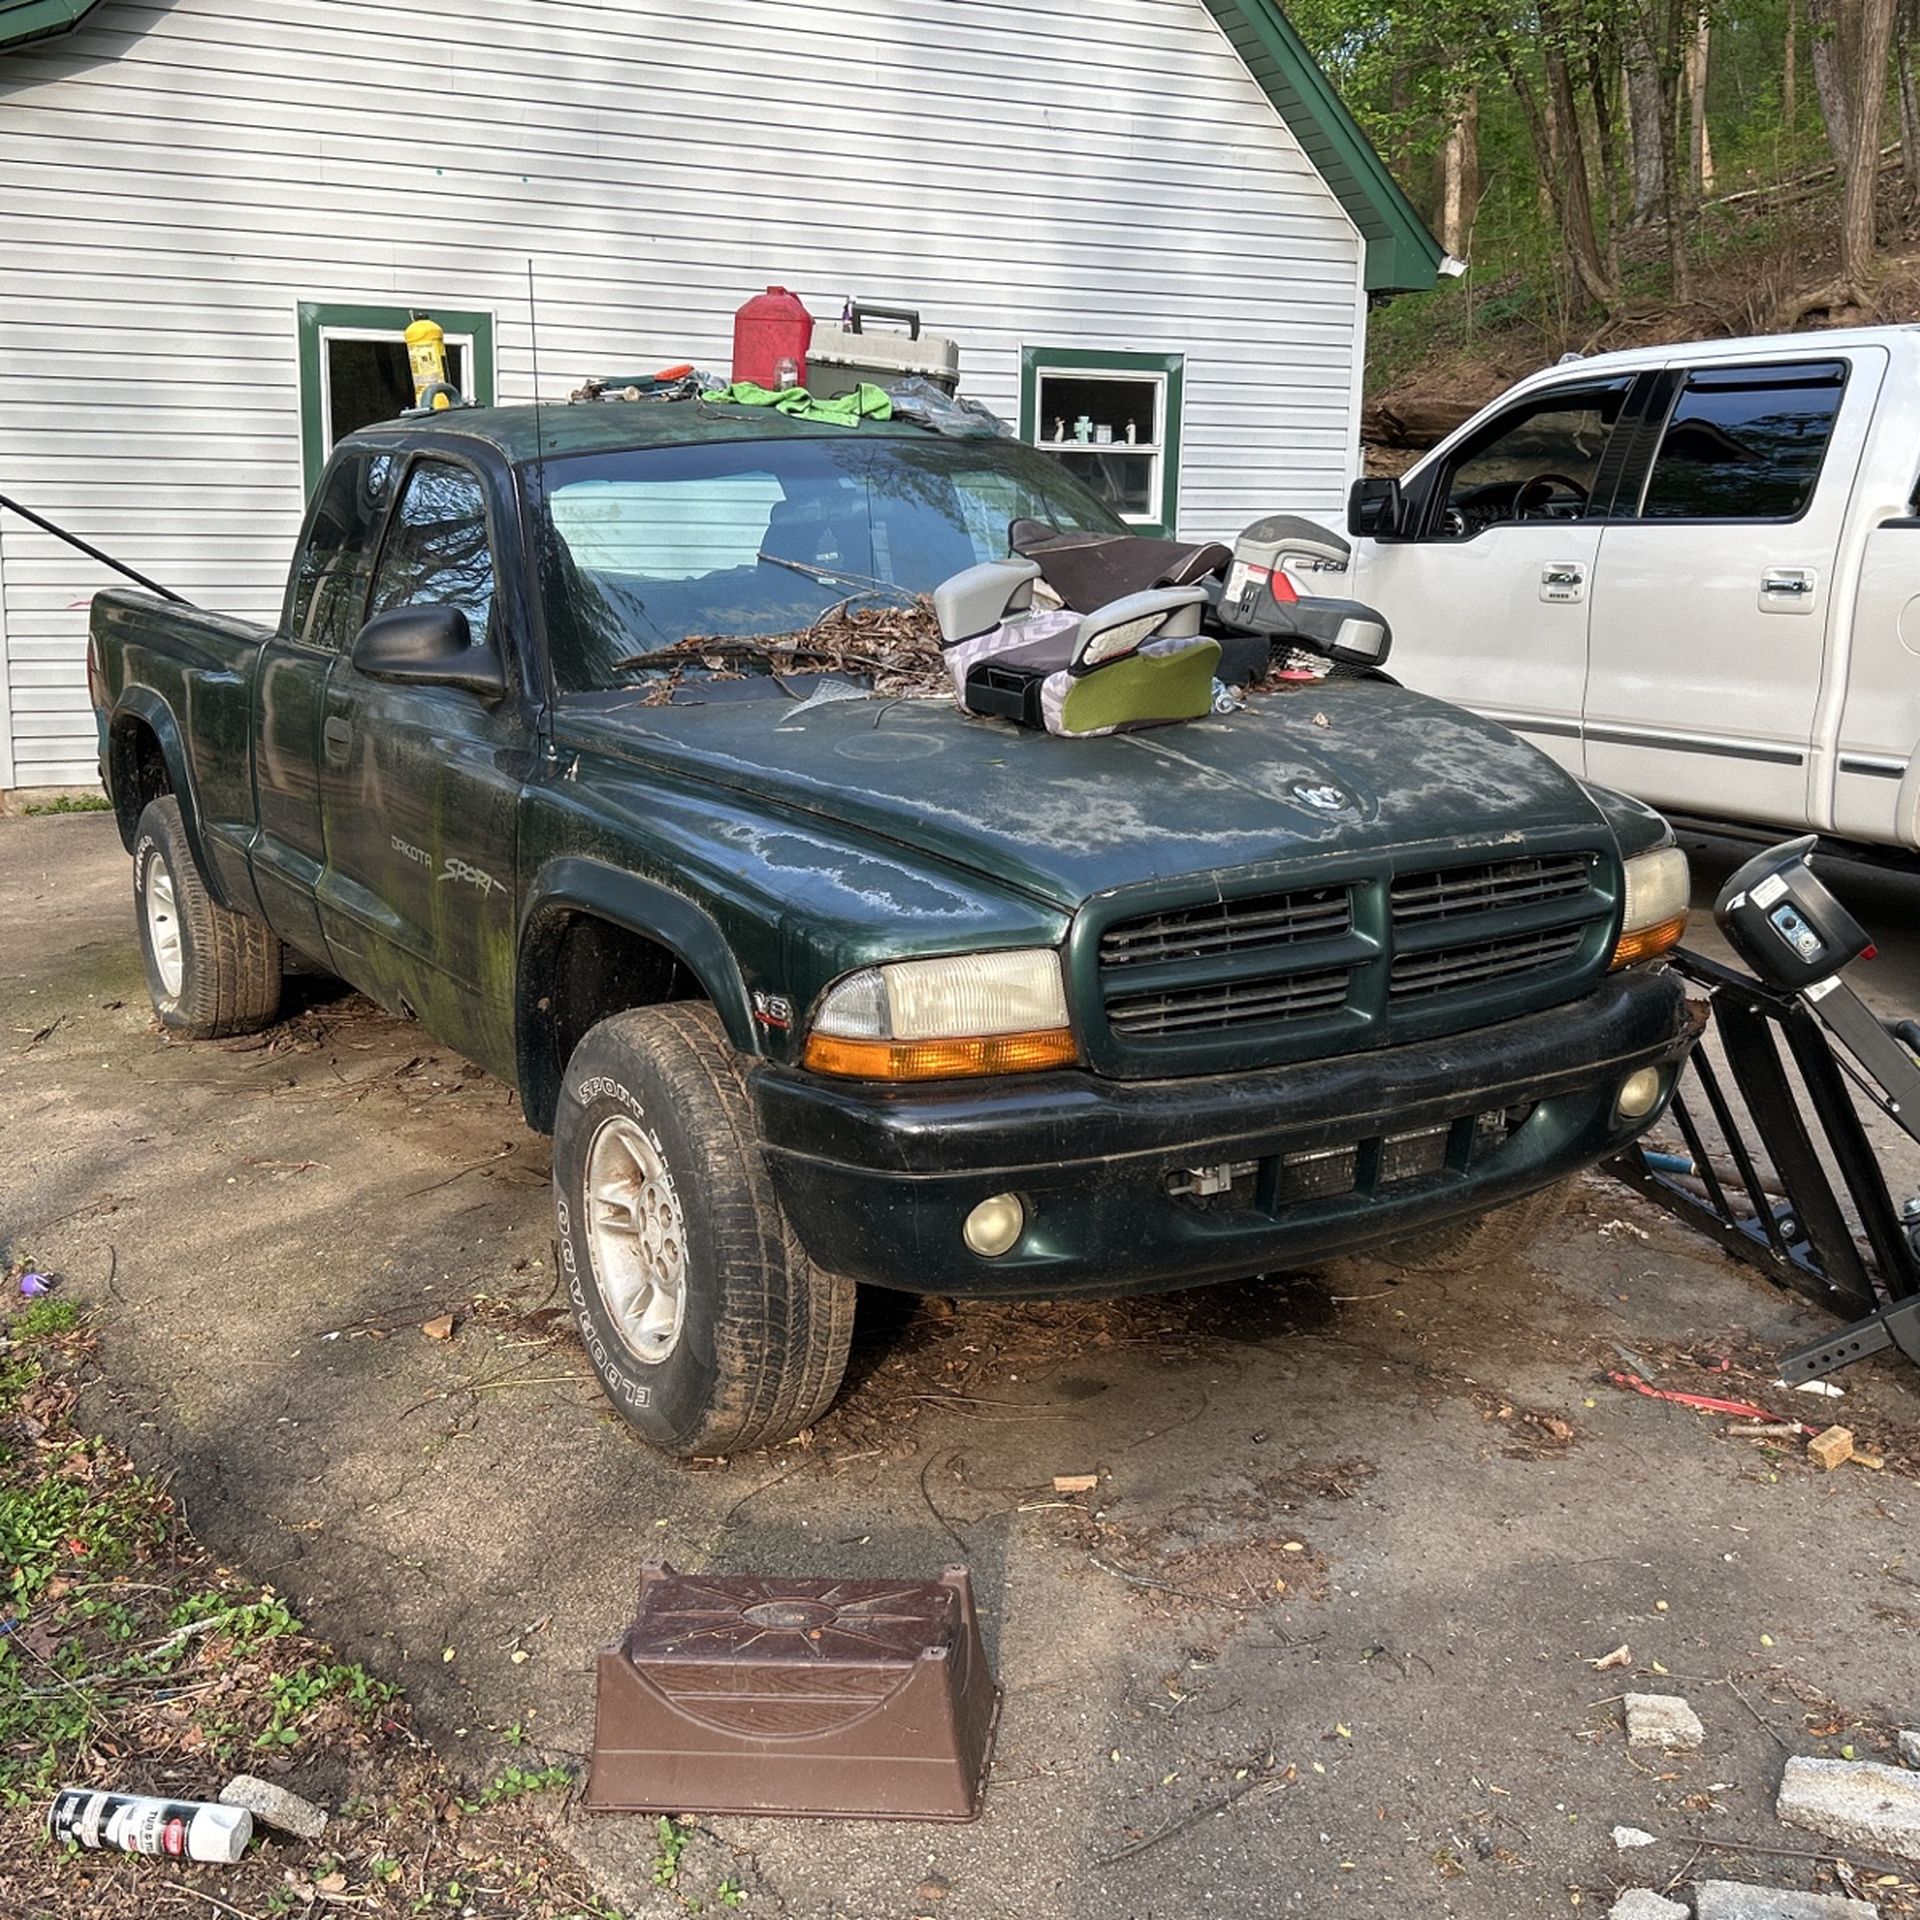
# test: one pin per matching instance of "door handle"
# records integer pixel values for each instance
(338, 734)
(1787, 580)
(1562, 576)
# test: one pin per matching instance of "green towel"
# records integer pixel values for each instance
(865, 402)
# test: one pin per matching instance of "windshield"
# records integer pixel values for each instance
(648, 546)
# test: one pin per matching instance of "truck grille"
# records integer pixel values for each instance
(1491, 934)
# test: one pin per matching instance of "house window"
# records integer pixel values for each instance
(353, 369)
(1113, 421)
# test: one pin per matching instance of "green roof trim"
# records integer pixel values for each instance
(24, 20)
(1402, 256)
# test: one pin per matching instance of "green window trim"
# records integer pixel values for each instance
(316, 317)
(1035, 361)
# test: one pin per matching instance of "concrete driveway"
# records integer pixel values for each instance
(1319, 1643)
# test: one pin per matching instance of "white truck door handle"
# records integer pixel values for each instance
(1562, 581)
(1787, 589)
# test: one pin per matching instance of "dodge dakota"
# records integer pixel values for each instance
(815, 990)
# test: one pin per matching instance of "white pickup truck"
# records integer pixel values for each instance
(1690, 572)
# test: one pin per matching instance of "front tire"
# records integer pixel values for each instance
(210, 972)
(707, 1325)
(1462, 1245)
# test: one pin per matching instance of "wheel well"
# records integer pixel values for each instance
(575, 970)
(137, 773)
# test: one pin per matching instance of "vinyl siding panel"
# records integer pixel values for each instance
(176, 178)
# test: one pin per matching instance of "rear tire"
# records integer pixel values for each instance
(709, 1328)
(1462, 1245)
(210, 972)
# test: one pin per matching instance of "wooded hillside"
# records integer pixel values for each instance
(1623, 170)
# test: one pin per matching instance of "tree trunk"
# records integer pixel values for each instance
(1572, 195)
(1907, 31)
(1866, 38)
(1699, 147)
(1460, 175)
(1789, 76)
(1642, 76)
(1829, 76)
(1671, 25)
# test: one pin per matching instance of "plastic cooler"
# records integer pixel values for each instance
(840, 358)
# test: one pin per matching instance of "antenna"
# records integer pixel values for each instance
(533, 334)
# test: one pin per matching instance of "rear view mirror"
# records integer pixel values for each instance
(428, 646)
(1376, 510)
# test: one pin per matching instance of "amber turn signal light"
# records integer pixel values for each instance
(1648, 943)
(939, 1059)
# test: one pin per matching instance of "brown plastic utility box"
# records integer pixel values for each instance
(864, 1699)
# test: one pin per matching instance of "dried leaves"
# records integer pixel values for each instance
(896, 647)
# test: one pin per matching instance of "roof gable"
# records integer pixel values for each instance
(1402, 256)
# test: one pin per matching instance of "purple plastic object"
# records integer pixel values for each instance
(35, 1285)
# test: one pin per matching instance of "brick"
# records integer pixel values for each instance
(1831, 1447)
(1663, 1720)
(1860, 1802)
(275, 1806)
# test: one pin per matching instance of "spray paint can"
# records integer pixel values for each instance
(137, 1823)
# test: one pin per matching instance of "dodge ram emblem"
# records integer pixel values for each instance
(1327, 799)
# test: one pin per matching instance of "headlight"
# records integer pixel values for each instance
(1658, 889)
(976, 1013)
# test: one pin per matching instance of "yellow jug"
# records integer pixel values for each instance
(426, 355)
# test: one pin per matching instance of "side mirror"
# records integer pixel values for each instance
(1377, 510)
(428, 646)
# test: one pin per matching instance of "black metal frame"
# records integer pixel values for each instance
(1801, 1238)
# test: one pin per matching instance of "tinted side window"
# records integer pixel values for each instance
(1539, 461)
(329, 591)
(436, 550)
(1745, 443)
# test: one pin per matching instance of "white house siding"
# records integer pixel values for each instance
(175, 177)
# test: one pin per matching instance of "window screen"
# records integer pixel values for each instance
(329, 595)
(436, 551)
(1745, 443)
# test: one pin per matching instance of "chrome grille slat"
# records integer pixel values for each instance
(1228, 926)
(1490, 888)
(1235, 1004)
(1443, 968)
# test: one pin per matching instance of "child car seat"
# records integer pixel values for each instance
(1138, 661)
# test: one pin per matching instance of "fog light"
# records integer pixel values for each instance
(994, 1225)
(1639, 1093)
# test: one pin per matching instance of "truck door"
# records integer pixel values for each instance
(1876, 784)
(326, 602)
(420, 787)
(1488, 592)
(1714, 585)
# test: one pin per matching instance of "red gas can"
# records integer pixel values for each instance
(771, 327)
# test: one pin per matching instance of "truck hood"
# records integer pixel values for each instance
(1335, 769)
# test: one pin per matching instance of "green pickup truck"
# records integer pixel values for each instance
(814, 990)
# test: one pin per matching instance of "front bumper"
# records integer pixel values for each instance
(877, 1180)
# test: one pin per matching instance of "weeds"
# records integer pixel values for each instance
(68, 803)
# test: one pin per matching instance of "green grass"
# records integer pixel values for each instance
(69, 803)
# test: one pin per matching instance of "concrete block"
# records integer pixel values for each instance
(1663, 1720)
(1735, 1900)
(1642, 1903)
(275, 1806)
(1859, 1802)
